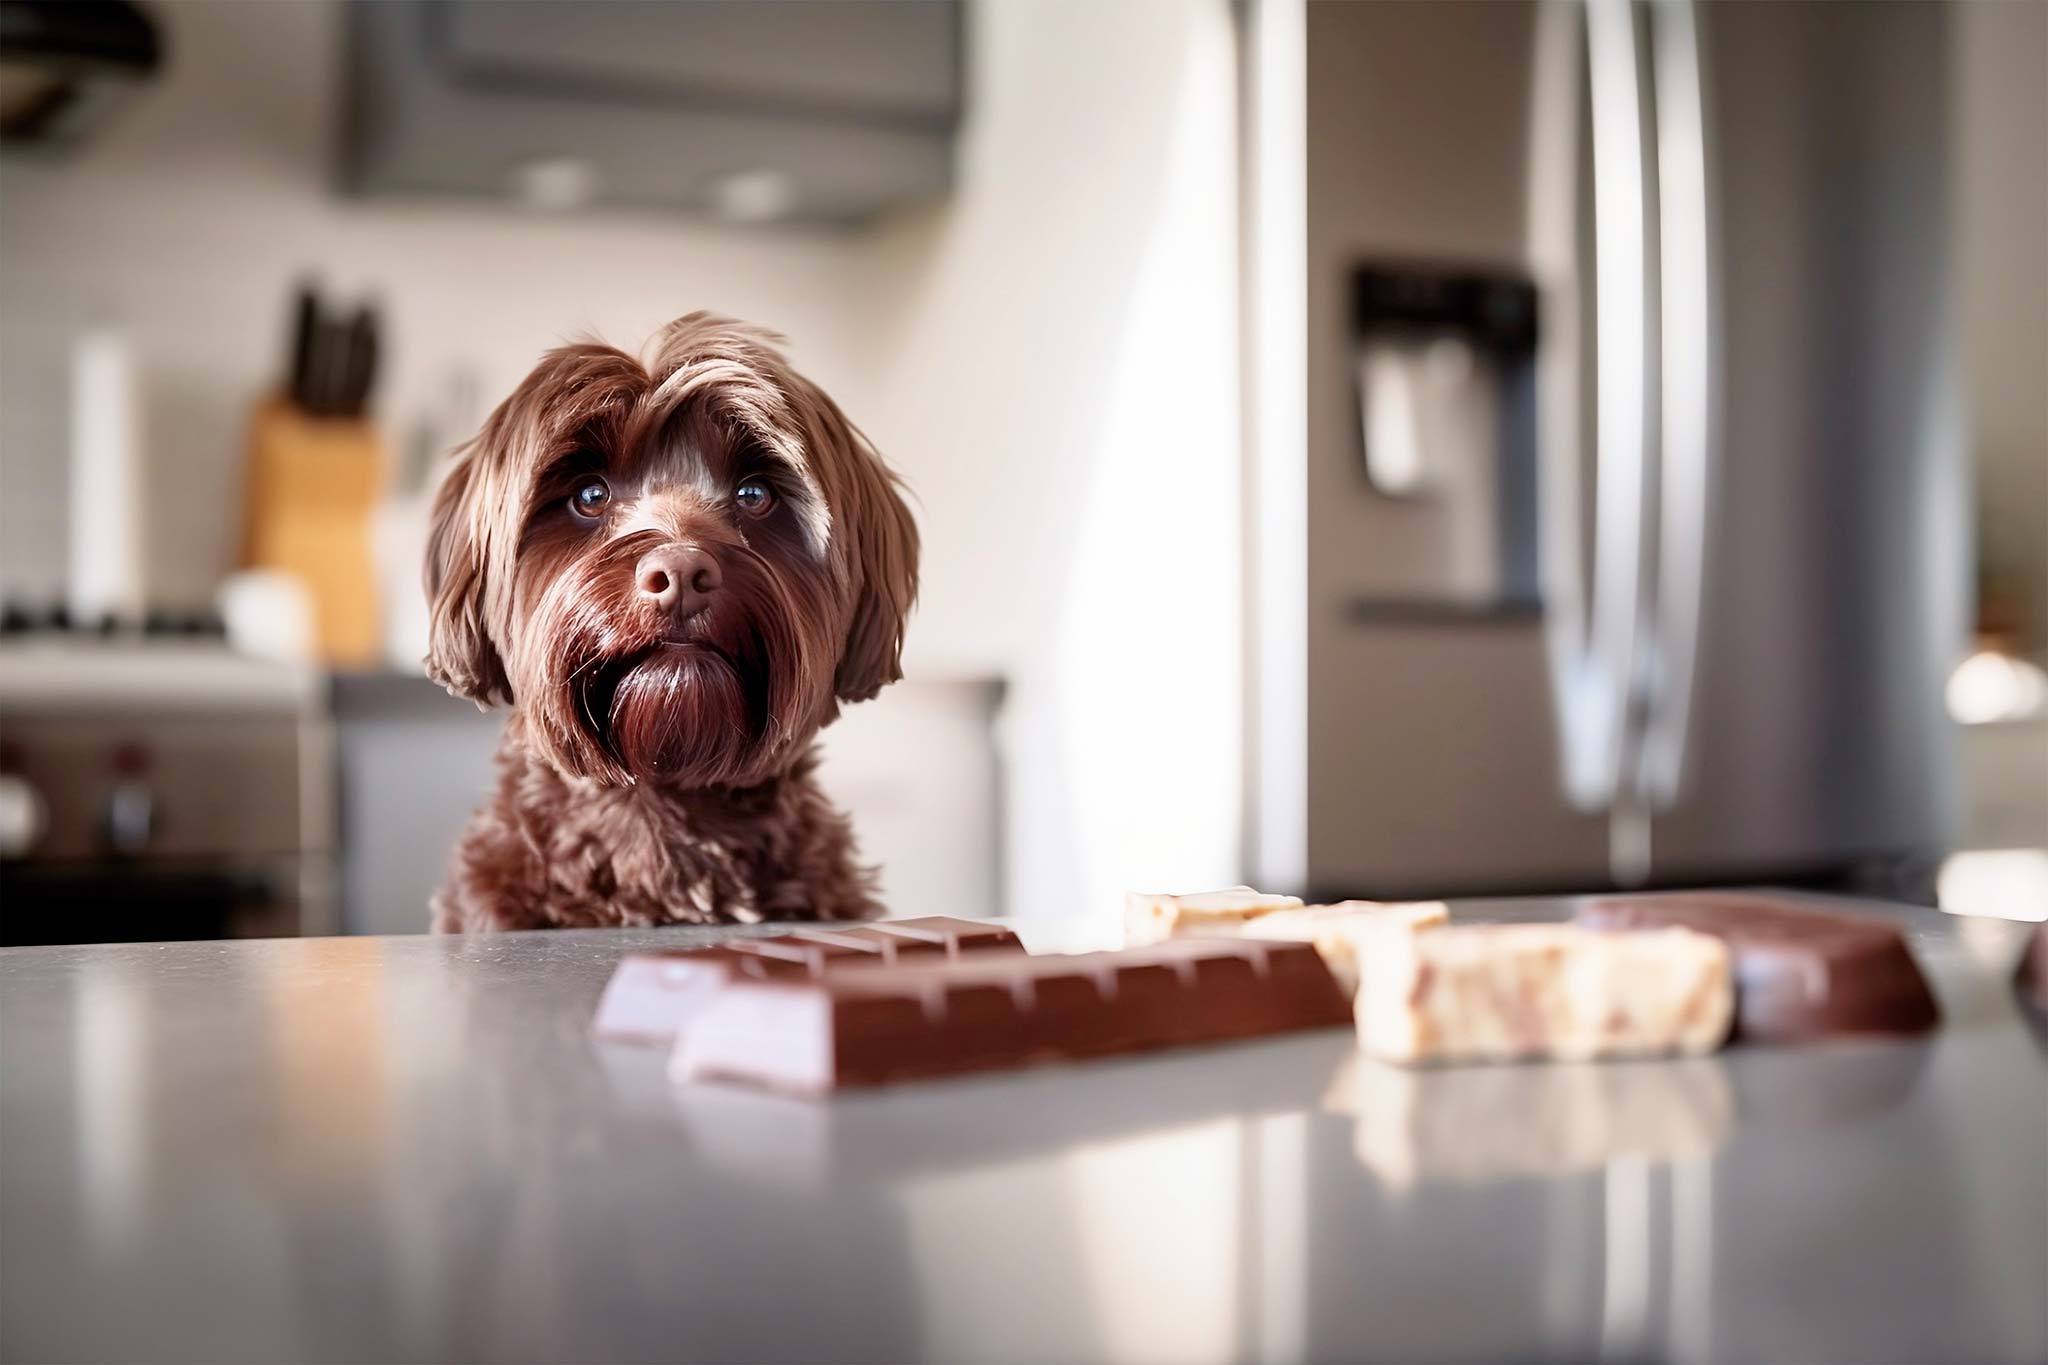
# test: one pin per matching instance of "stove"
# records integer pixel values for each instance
(154, 785)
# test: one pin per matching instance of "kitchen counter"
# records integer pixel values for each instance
(410, 1149)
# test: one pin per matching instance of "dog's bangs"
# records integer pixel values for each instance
(750, 403)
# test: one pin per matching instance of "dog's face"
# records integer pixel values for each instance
(674, 571)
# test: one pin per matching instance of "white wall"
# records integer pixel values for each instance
(1048, 356)
(1055, 371)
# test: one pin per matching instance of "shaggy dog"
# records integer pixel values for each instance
(672, 573)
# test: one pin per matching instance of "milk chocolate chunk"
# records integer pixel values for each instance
(1152, 918)
(999, 1010)
(1507, 992)
(1799, 972)
(651, 996)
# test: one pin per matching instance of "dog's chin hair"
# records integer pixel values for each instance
(683, 715)
(622, 698)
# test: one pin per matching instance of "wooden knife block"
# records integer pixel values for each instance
(313, 483)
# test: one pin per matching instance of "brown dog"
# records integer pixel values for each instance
(673, 573)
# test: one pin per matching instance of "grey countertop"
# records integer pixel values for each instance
(410, 1149)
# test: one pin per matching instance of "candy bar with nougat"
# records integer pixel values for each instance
(1505, 992)
(1240, 912)
(1152, 918)
(1346, 931)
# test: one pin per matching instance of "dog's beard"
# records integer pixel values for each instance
(676, 708)
(627, 694)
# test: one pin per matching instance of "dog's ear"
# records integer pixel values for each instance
(460, 653)
(885, 563)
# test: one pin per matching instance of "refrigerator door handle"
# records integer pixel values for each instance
(1689, 447)
(1595, 647)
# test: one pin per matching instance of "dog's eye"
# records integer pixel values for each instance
(754, 496)
(589, 500)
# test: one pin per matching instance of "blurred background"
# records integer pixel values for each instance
(1367, 449)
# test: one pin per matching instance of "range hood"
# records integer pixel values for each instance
(807, 109)
(66, 64)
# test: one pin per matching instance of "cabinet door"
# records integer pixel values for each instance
(879, 57)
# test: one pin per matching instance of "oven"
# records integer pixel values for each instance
(156, 790)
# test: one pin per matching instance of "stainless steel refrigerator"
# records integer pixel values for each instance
(1609, 518)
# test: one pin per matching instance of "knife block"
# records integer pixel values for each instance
(313, 484)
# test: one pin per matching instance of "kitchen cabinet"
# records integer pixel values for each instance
(798, 110)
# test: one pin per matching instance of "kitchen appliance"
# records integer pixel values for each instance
(160, 788)
(1750, 544)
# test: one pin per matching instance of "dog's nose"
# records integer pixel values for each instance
(679, 579)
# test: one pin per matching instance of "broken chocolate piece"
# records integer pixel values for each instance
(1799, 972)
(1505, 992)
(651, 996)
(1152, 918)
(1346, 930)
(995, 1010)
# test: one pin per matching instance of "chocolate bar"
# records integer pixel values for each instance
(1799, 973)
(651, 996)
(982, 1012)
(1505, 992)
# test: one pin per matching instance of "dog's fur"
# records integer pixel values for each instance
(658, 768)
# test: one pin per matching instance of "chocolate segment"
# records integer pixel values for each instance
(1799, 973)
(651, 996)
(978, 1013)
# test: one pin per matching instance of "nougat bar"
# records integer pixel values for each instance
(1501, 992)
(1150, 918)
(1343, 932)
